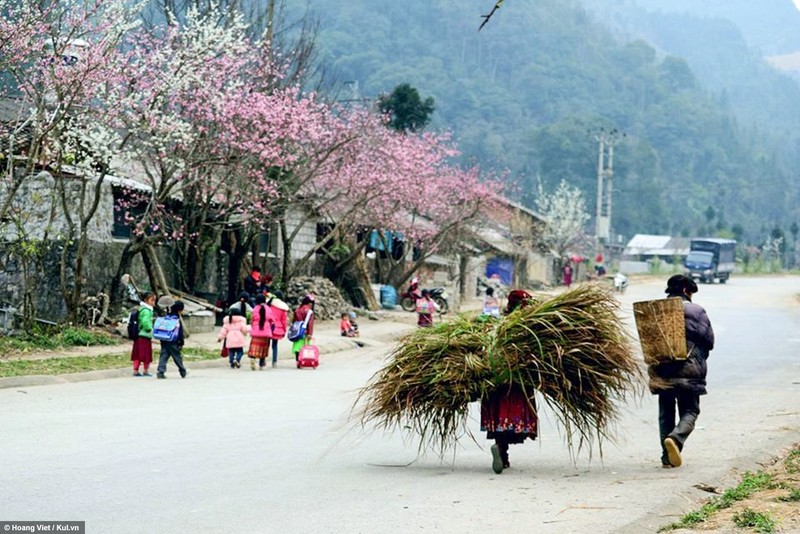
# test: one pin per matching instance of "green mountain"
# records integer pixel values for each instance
(531, 90)
(773, 26)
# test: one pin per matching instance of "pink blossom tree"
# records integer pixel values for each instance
(61, 58)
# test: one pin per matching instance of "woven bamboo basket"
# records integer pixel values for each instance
(662, 330)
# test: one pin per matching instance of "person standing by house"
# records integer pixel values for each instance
(304, 313)
(261, 329)
(567, 274)
(172, 349)
(234, 330)
(253, 284)
(681, 382)
(425, 309)
(491, 306)
(142, 353)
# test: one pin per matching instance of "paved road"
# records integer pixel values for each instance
(237, 451)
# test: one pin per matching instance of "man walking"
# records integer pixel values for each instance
(681, 382)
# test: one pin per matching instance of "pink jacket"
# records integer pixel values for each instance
(234, 333)
(279, 316)
(256, 331)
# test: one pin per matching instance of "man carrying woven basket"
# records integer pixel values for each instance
(681, 382)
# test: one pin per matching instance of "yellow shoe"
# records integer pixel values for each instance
(252, 364)
(673, 452)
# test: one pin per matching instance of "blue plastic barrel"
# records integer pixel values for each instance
(388, 297)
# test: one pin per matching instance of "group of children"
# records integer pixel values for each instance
(268, 325)
(144, 326)
(265, 324)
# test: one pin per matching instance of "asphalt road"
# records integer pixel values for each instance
(240, 451)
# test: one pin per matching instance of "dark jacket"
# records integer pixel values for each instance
(688, 374)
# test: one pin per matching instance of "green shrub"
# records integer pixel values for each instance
(759, 521)
(81, 337)
(793, 496)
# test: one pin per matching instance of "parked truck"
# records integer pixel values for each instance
(710, 258)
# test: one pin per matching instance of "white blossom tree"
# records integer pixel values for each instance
(565, 214)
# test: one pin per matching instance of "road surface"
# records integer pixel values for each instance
(240, 451)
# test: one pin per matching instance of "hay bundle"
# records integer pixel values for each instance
(572, 348)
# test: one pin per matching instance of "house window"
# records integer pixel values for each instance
(124, 210)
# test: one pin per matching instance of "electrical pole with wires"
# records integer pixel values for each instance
(605, 174)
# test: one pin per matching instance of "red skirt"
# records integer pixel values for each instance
(142, 350)
(259, 347)
(509, 412)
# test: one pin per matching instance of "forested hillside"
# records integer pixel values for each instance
(529, 91)
(765, 100)
(773, 26)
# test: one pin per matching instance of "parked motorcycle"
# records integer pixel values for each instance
(408, 299)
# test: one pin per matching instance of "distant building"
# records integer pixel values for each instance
(644, 247)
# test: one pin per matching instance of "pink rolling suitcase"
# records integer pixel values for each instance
(309, 357)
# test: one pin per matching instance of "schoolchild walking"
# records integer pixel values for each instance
(260, 333)
(172, 348)
(234, 330)
(304, 314)
(142, 353)
(279, 325)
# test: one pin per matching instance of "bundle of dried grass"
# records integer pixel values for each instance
(573, 349)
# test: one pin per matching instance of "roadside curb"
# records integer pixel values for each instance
(327, 345)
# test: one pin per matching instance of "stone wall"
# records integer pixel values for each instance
(307, 236)
(40, 210)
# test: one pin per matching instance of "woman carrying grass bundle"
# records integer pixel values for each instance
(508, 415)
(571, 350)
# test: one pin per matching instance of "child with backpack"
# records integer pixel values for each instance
(234, 330)
(142, 353)
(170, 332)
(303, 315)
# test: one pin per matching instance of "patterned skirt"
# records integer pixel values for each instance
(507, 411)
(259, 347)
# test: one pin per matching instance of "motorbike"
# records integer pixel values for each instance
(620, 282)
(408, 299)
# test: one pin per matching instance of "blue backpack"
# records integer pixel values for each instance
(167, 328)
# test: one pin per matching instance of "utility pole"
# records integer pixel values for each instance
(605, 175)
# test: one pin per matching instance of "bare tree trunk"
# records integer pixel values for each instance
(463, 265)
(154, 271)
(286, 243)
(362, 275)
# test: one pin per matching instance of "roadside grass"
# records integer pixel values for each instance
(774, 489)
(751, 483)
(55, 338)
(81, 364)
(792, 462)
(758, 521)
